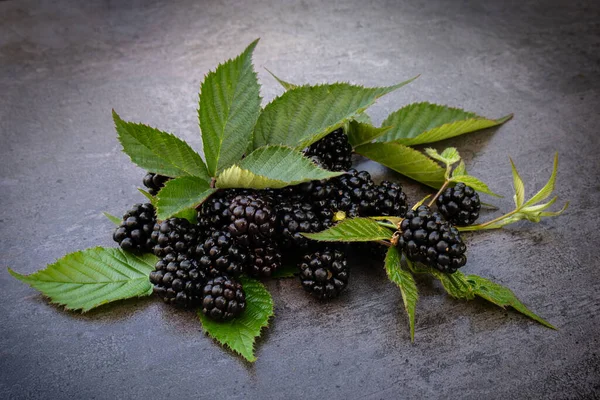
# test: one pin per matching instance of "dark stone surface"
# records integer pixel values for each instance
(64, 65)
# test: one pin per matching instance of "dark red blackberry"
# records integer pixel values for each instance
(178, 280)
(333, 152)
(296, 218)
(460, 204)
(324, 273)
(223, 299)
(426, 237)
(253, 220)
(154, 182)
(219, 254)
(264, 259)
(135, 231)
(175, 235)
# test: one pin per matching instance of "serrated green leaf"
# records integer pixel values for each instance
(240, 333)
(501, 296)
(405, 281)
(421, 123)
(475, 183)
(272, 167)
(362, 133)
(157, 151)
(461, 169)
(405, 160)
(115, 220)
(539, 207)
(456, 284)
(519, 196)
(364, 118)
(305, 114)
(284, 84)
(89, 278)
(352, 230)
(554, 213)
(548, 188)
(449, 156)
(180, 194)
(228, 109)
(147, 195)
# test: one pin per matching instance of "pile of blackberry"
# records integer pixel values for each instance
(333, 152)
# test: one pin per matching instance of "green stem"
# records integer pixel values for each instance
(485, 225)
(432, 201)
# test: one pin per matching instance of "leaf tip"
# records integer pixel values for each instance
(504, 119)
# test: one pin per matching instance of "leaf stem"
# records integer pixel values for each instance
(434, 198)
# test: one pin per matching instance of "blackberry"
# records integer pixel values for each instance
(223, 299)
(460, 204)
(389, 201)
(214, 213)
(264, 260)
(324, 273)
(426, 237)
(174, 235)
(154, 182)
(253, 220)
(178, 280)
(296, 218)
(219, 254)
(333, 152)
(135, 231)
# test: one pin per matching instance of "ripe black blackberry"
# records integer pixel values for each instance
(214, 211)
(460, 204)
(390, 200)
(135, 231)
(296, 218)
(426, 237)
(264, 259)
(324, 273)
(253, 220)
(219, 254)
(154, 182)
(174, 235)
(223, 299)
(178, 280)
(333, 152)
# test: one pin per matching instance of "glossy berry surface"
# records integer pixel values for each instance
(264, 260)
(333, 152)
(460, 204)
(174, 235)
(135, 232)
(220, 254)
(324, 273)
(252, 219)
(178, 280)
(154, 182)
(223, 299)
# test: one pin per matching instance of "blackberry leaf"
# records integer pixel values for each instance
(405, 160)
(519, 186)
(228, 109)
(89, 278)
(240, 333)
(362, 133)
(405, 281)
(284, 84)
(180, 194)
(548, 188)
(305, 114)
(157, 151)
(353, 230)
(115, 220)
(272, 167)
(420, 123)
(475, 183)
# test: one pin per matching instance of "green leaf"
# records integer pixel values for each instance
(474, 183)
(286, 85)
(502, 297)
(305, 114)
(449, 156)
(455, 284)
(361, 133)
(115, 220)
(239, 334)
(180, 194)
(272, 167)
(147, 195)
(352, 230)
(548, 188)
(518, 185)
(421, 123)
(286, 271)
(157, 151)
(406, 283)
(228, 109)
(363, 118)
(405, 160)
(460, 170)
(89, 278)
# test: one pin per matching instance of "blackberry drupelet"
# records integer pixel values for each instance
(389, 201)
(253, 220)
(219, 254)
(154, 182)
(223, 299)
(214, 212)
(460, 204)
(296, 218)
(264, 259)
(333, 152)
(324, 273)
(135, 231)
(178, 280)
(175, 235)
(426, 237)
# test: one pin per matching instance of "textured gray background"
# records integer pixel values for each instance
(64, 65)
